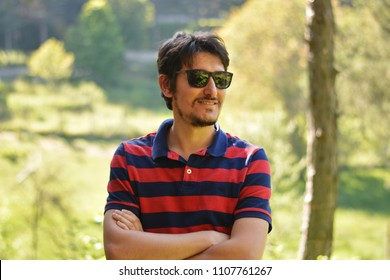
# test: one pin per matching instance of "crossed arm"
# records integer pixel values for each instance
(124, 238)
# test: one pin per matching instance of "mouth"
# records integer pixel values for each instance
(209, 102)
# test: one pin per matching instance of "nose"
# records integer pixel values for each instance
(210, 89)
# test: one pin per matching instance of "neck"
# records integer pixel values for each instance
(186, 140)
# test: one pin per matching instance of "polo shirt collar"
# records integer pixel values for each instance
(160, 146)
(219, 145)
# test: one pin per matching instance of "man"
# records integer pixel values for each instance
(189, 190)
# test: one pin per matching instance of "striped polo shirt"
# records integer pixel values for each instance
(216, 186)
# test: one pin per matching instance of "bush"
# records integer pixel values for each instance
(51, 61)
(12, 58)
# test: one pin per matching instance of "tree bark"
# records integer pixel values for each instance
(322, 167)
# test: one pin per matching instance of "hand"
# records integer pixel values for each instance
(218, 237)
(127, 220)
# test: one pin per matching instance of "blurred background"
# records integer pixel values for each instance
(77, 77)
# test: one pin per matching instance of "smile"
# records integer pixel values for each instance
(207, 101)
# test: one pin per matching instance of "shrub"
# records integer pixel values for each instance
(51, 61)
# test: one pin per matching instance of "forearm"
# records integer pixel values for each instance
(122, 243)
(247, 242)
(231, 249)
(143, 245)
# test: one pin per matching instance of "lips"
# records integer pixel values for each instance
(207, 101)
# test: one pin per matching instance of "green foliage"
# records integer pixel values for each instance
(362, 56)
(265, 43)
(57, 139)
(97, 42)
(381, 13)
(12, 58)
(54, 108)
(138, 88)
(359, 235)
(375, 182)
(51, 61)
(50, 222)
(57, 136)
(135, 18)
(4, 112)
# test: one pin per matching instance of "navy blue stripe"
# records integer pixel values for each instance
(256, 178)
(214, 162)
(256, 215)
(253, 202)
(148, 162)
(120, 150)
(122, 196)
(119, 173)
(156, 189)
(186, 219)
(195, 161)
(142, 141)
(259, 155)
(119, 206)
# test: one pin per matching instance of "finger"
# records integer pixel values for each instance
(119, 217)
(129, 215)
(122, 225)
(134, 219)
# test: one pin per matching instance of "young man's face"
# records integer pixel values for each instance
(199, 106)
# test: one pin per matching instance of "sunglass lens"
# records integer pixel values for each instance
(222, 79)
(198, 78)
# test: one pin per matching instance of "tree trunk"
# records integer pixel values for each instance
(322, 168)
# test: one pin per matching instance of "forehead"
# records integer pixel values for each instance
(206, 61)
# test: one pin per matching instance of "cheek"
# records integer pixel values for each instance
(180, 101)
(221, 96)
(186, 96)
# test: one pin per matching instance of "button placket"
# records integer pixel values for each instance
(187, 180)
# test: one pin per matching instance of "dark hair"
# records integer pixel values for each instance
(180, 50)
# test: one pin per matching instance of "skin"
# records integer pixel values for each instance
(195, 111)
(193, 108)
(124, 239)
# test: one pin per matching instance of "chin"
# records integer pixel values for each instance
(198, 122)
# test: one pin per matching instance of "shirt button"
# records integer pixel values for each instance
(189, 171)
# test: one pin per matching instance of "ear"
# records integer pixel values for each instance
(165, 85)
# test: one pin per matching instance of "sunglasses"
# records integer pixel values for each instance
(199, 78)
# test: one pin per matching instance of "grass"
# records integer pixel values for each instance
(366, 189)
(361, 220)
(360, 235)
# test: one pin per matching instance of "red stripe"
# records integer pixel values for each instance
(173, 155)
(118, 161)
(256, 191)
(236, 152)
(116, 185)
(259, 166)
(148, 175)
(217, 175)
(138, 150)
(187, 204)
(123, 203)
